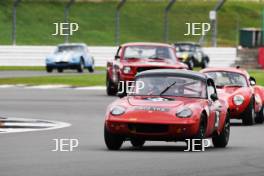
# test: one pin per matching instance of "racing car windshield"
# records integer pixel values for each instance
(149, 52)
(69, 48)
(184, 48)
(177, 86)
(223, 78)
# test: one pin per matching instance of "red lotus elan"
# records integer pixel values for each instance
(132, 58)
(173, 105)
(245, 98)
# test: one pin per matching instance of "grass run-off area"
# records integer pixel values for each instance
(85, 79)
(33, 68)
(140, 20)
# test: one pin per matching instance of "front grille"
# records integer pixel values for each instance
(148, 128)
(141, 69)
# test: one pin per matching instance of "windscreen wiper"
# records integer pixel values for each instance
(167, 88)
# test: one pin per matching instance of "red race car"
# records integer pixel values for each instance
(132, 58)
(173, 105)
(245, 98)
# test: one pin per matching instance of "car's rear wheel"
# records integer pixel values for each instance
(60, 70)
(110, 87)
(249, 116)
(49, 69)
(260, 117)
(137, 142)
(91, 68)
(221, 140)
(112, 141)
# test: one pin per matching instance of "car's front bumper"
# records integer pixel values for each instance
(150, 131)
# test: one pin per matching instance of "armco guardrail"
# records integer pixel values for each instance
(35, 55)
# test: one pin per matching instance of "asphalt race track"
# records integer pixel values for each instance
(30, 153)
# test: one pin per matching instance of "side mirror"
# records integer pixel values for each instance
(214, 97)
(252, 81)
(117, 57)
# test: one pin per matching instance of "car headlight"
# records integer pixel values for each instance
(126, 70)
(118, 110)
(184, 113)
(238, 99)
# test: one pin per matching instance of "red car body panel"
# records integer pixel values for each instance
(178, 128)
(228, 92)
(115, 67)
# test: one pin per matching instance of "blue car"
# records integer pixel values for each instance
(70, 56)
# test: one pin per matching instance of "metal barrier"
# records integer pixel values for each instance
(35, 55)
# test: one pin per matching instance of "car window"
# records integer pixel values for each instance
(149, 52)
(67, 48)
(181, 86)
(224, 78)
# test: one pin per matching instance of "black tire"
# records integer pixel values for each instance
(221, 140)
(91, 69)
(60, 70)
(111, 89)
(205, 63)
(112, 141)
(81, 66)
(260, 116)
(201, 133)
(190, 64)
(249, 115)
(202, 128)
(49, 69)
(137, 142)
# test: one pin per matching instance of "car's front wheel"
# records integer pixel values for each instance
(112, 141)
(137, 142)
(260, 117)
(190, 64)
(49, 69)
(81, 66)
(249, 116)
(110, 87)
(205, 63)
(221, 140)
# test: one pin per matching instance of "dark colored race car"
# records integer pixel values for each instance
(245, 98)
(191, 54)
(173, 105)
(70, 56)
(132, 58)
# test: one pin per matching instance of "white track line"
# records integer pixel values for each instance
(40, 125)
(44, 87)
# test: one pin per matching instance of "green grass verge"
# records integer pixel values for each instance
(33, 68)
(86, 79)
(72, 80)
(140, 21)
